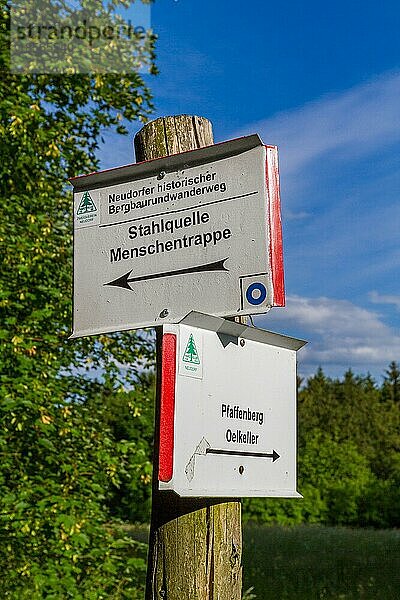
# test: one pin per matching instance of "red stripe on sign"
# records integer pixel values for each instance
(275, 226)
(167, 408)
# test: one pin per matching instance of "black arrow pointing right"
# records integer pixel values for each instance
(274, 455)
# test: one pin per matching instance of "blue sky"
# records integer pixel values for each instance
(322, 81)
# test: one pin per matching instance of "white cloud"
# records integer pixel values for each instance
(385, 299)
(347, 125)
(296, 216)
(340, 334)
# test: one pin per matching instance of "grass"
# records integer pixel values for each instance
(314, 563)
(310, 563)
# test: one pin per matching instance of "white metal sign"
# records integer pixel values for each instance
(195, 231)
(228, 410)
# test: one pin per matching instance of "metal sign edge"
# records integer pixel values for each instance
(145, 169)
(256, 334)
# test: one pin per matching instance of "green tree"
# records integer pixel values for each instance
(339, 472)
(60, 461)
(333, 479)
(349, 410)
(130, 416)
(190, 354)
(391, 385)
(348, 459)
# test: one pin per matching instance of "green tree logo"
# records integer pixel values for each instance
(86, 205)
(191, 354)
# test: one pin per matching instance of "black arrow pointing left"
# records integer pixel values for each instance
(126, 279)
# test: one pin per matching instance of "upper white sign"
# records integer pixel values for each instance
(198, 231)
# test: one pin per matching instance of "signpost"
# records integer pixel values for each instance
(196, 227)
(199, 230)
(228, 419)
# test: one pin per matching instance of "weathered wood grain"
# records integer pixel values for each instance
(171, 135)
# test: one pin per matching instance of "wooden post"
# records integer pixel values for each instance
(195, 544)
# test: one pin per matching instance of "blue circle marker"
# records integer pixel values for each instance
(259, 287)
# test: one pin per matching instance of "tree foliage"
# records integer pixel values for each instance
(130, 417)
(391, 386)
(60, 460)
(348, 456)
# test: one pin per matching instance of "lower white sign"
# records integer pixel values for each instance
(228, 410)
